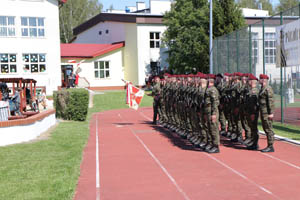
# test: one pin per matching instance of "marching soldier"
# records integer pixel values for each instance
(220, 85)
(266, 108)
(211, 116)
(252, 112)
(156, 101)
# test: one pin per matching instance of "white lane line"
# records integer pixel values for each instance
(185, 196)
(97, 163)
(285, 162)
(162, 167)
(243, 176)
(145, 116)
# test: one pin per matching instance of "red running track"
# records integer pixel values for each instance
(139, 161)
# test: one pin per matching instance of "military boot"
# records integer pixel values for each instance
(268, 149)
(214, 150)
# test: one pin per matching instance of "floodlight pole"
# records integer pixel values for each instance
(211, 38)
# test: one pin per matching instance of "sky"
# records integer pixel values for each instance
(120, 4)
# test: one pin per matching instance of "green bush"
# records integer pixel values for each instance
(71, 104)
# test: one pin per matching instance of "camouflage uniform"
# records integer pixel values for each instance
(156, 91)
(211, 103)
(251, 115)
(267, 107)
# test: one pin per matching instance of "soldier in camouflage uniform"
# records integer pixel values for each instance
(220, 85)
(227, 100)
(266, 108)
(252, 112)
(236, 136)
(244, 106)
(211, 116)
(156, 91)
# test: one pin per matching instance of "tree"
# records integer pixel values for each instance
(248, 4)
(286, 4)
(111, 7)
(254, 4)
(74, 13)
(187, 34)
(227, 17)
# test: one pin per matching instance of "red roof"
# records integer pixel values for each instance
(75, 50)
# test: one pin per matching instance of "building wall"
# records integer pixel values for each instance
(116, 33)
(131, 54)
(116, 69)
(50, 44)
(147, 54)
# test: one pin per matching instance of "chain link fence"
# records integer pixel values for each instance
(268, 45)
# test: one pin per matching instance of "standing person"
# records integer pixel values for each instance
(211, 115)
(220, 85)
(267, 107)
(252, 112)
(156, 98)
(17, 100)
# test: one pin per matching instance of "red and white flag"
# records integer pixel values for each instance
(134, 96)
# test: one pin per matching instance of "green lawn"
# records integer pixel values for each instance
(49, 169)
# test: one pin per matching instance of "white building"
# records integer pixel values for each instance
(141, 32)
(30, 43)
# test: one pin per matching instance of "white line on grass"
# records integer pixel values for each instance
(97, 163)
(159, 163)
(243, 176)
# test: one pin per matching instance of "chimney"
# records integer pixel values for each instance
(140, 5)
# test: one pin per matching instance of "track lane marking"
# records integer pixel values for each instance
(233, 170)
(97, 163)
(185, 196)
(285, 162)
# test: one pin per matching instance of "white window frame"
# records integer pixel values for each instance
(29, 64)
(154, 39)
(270, 47)
(11, 61)
(30, 28)
(102, 66)
(255, 40)
(9, 28)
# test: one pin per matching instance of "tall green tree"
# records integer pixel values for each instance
(254, 4)
(286, 4)
(248, 4)
(187, 35)
(74, 13)
(227, 17)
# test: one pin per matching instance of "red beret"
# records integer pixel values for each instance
(252, 77)
(227, 74)
(211, 76)
(263, 76)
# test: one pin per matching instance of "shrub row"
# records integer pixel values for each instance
(71, 104)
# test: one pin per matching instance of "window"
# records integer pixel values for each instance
(102, 69)
(8, 63)
(7, 26)
(155, 67)
(254, 48)
(100, 32)
(34, 62)
(32, 27)
(154, 40)
(107, 31)
(270, 48)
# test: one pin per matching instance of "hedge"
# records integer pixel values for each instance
(71, 104)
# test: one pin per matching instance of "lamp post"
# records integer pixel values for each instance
(211, 38)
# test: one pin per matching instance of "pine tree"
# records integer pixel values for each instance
(286, 4)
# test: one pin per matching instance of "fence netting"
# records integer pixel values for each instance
(267, 45)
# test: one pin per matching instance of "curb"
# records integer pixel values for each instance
(283, 139)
